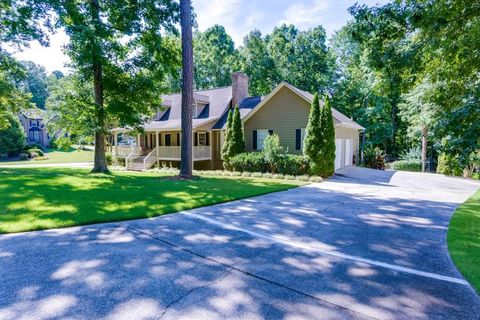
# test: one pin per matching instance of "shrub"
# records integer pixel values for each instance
(33, 145)
(292, 165)
(373, 157)
(272, 150)
(36, 150)
(412, 154)
(256, 174)
(248, 161)
(41, 158)
(407, 165)
(23, 156)
(302, 178)
(315, 179)
(246, 174)
(108, 158)
(449, 165)
(63, 143)
(33, 155)
(288, 177)
(267, 175)
(12, 137)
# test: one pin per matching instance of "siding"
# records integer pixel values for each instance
(283, 113)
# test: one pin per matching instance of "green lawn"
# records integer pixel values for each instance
(43, 198)
(464, 239)
(56, 156)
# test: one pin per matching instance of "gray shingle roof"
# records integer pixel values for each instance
(247, 105)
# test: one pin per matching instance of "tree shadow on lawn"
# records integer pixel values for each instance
(176, 266)
(36, 199)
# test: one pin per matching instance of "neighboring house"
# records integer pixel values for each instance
(34, 123)
(284, 112)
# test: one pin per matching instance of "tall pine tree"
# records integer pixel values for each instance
(237, 144)
(313, 137)
(327, 154)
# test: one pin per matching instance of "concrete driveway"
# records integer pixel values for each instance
(365, 244)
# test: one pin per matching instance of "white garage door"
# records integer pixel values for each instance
(348, 152)
(338, 153)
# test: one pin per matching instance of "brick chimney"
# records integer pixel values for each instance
(239, 87)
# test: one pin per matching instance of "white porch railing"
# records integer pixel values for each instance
(173, 153)
(121, 151)
(202, 153)
(135, 152)
(150, 159)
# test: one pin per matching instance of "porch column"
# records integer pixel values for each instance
(158, 144)
(115, 143)
(138, 141)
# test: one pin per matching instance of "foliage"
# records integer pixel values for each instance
(35, 83)
(463, 238)
(215, 58)
(33, 145)
(237, 144)
(314, 137)
(412, 154)
(63, 143)
(12, 137)
(35, 150)
(74, 197)
(228, 138)
(272, 150)
(290, 164)
(449, 165)
(407, 165)
(23, 156)
(327, 147)
(248, 161)
(373, 157)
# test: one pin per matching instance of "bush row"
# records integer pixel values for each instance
(286, 164)
(407, 165)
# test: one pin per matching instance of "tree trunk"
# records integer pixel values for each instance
(424, 148)
(186, 163)
(99, 161)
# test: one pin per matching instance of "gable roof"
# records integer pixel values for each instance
(216, 103)
(338, 117)
(245, 107)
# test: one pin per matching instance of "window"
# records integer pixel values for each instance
(202, 138)
(168, 139)
(261, 135)
(33, 123)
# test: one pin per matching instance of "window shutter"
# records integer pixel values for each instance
(270, 132)
(254, 139)
(207, 137)
(196, 139)
(298, 138)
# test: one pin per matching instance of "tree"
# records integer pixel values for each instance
(258, 64)
(186, 164)
(419, 110)
(272, 150)
(228, 137)
(237, 144)
(118, 47)
(314, 137)
(35, 83)
(20, 22)
(12, 136)
(327, 147)
(215, 58)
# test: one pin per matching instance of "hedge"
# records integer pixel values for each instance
(407, 165)
(287, 164)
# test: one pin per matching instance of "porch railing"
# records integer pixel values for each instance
(135, 152)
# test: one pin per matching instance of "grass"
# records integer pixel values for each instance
(57, 156)
(464, 239)
(44, 198)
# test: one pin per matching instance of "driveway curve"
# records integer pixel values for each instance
(365, 244)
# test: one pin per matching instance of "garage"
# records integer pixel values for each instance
(343, 153)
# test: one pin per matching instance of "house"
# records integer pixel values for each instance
(284, 111)
(34, 123)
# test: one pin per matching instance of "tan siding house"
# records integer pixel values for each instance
(284, 111)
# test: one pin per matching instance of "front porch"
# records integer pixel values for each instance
(153, 147)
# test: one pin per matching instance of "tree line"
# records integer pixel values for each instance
(407, 71)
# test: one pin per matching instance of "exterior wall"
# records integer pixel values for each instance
(349, 133)
(283, 113)
(44, 137)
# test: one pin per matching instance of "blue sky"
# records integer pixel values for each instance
(238, 16)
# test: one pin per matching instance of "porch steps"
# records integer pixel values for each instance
(137, 164)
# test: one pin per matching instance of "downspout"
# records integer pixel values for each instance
(363, 145)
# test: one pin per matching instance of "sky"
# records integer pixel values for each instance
(239, 17)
